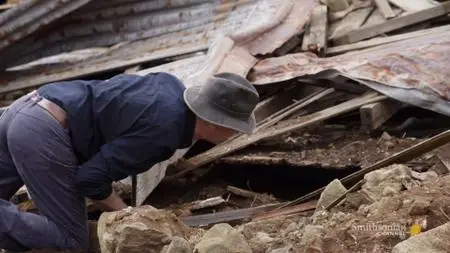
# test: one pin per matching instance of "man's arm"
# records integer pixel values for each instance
(132, 153)
(111, 203)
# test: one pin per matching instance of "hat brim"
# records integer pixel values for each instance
(202, 108)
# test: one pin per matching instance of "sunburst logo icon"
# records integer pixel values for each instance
(415, 229)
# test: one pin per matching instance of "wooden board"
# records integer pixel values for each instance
(336, 5)
(315, 38)
(227, 216)
(382, 41)
(351, 22)
(392, 24)
(283, 127)
(374, 115)
(385, 8)
(414, 5)
(377, 17)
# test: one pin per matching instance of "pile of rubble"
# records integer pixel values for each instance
(353, 92)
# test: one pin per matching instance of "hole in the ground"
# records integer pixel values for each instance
(283, 182)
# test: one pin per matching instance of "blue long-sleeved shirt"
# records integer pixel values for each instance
(122, 126)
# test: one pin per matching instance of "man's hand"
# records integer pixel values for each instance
(111, 203)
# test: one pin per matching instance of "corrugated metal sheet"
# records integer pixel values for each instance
(419, 65)
(244, 21)
(29, 16)
(99, 25)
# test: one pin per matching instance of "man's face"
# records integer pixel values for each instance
(221, 134)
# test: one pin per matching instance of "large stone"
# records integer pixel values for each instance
(420, 206)
(312, 239)
(142, 229)
(178, 245)
(222, 238)
(435, 240)
(386, 181)
(331, 192)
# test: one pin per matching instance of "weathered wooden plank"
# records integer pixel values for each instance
(336, 5)
(272, 120)
(303, 207)
(351, 22)
(385, 8)
(392, 24)
(382, 41)
(414, 5)
(374, 115)
(377, 17)
(315, 38)
(227, 216)
(283, 127)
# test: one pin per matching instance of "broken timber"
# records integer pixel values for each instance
(401, 157)
(393, 24)
(303, 207)
(385, 8)
(315, 38)
(283, 127)
(374, 115)
(414, 5)
(227, 216)
(349, 23)
(276, 117)
(382, 41)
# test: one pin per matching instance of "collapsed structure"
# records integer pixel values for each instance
(312, 61)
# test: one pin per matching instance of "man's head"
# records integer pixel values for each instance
(224, 106)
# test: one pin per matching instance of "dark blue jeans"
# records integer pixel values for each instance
(35, 150)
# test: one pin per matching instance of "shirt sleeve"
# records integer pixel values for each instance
(134, 152)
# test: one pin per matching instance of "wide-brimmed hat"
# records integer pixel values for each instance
(226, 100)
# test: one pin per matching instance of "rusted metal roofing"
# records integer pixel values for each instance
(27, 17)
(101, 24)
(417, 66)
(243, 20)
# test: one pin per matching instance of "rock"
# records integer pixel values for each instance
(386, 205)
(389, 144)
(222, 238)
(142, 229)
(424, 176)
(356, 199)
(287, 249)
(390, 177)
(260, 242)
(332, 191)
(420, 206)
(435, 240)
(312, 239)
(177, 245)
(386, 137)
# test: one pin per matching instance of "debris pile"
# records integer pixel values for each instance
(350, 151)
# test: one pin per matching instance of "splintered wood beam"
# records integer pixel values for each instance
(414, 5)
(350, 23)
(393, 24)
(336, 5)
(276, 117)
(385, 8)
(374, 115)
(382, 41)
(283, 127)
(400, 157)
(300, 208)
(315, 38)
(227, 216)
